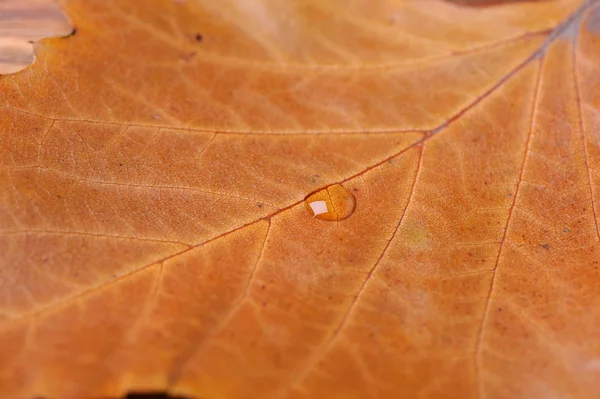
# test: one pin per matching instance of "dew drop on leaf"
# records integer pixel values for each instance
(331, 203)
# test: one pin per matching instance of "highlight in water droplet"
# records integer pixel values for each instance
(331, 203)
(319, 207)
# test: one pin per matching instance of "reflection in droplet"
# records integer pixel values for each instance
(319, 207)
(331, 203)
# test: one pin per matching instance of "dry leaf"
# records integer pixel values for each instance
(154, 234)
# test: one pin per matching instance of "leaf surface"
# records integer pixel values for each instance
(153, 230)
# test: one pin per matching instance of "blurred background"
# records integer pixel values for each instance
(21, 23)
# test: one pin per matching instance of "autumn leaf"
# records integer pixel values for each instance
(154, 233)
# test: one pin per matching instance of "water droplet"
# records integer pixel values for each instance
(331, 203)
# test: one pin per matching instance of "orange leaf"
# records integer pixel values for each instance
(154, 233)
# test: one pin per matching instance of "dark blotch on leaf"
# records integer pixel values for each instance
(152, 395)
(198, 37)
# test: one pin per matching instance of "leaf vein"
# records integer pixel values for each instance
(481, 328)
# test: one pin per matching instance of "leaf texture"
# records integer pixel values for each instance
(153, 230)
